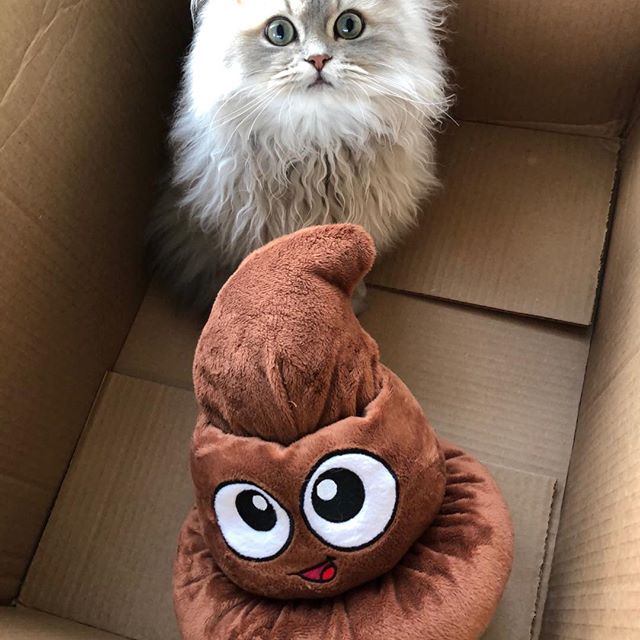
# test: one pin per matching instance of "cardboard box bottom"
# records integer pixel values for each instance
(26, 624)
(106, 556)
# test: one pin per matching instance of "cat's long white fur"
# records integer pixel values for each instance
(257, 154)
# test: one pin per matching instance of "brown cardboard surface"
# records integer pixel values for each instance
(547, 62)
(530, 498)
(107, 554)
(162, 342)
(595, 585)
(26, 624)
(505, 388)
(83, 87)
(519, 225)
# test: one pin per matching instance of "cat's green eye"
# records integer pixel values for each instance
(349, 25)
(280, 32)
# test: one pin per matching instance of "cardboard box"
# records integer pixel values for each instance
(513, 313)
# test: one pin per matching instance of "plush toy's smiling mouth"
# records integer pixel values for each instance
(321, 573)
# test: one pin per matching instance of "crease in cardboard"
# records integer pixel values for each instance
(530, 498)
(546, 61)
(106, 556)
(27, 60)
(71, 459)
(607, 131)
(31, 624)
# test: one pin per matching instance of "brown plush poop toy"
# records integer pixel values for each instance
(317, 475)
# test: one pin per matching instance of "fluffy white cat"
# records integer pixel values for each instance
(296, 113)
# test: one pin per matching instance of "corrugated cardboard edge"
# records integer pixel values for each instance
(545, 573)
(545, 554)
(161, 343)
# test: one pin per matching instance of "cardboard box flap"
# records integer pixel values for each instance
(106, 556)
(519, 225)
(81, 134)
(27, 624)
(529, 498)
(547, 62)
(595, 585)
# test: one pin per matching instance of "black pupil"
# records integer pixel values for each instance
(280, 32)
(338, 495)
(349, 25)
(256, 511)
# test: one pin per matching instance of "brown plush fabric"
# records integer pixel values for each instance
(446, 587)
(283, 353)
(318, 478)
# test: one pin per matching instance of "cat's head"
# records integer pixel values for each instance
(300, 57)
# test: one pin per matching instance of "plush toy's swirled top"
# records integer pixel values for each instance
(283, 354)
(315, 468)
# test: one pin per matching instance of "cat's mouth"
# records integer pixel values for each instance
(320, 82)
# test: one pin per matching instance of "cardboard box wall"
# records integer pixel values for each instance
(519, 228)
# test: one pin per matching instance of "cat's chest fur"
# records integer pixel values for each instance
(249, 191)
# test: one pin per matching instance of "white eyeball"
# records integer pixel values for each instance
(252, 523)
(349, 500)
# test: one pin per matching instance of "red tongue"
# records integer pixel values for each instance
(324, 572)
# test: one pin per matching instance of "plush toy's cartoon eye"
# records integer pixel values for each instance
(349, 499)
(251, 521)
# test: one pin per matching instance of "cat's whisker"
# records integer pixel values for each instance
(274, 95)
(264, 100)
(433, 109)
(230, 117)
(282, 176)
(227, 99)
(386, 91)
(355, 96)
(401, 103)
(353, 68)
(285, 73)
(255, 102)
(413, 92)
(408, 73)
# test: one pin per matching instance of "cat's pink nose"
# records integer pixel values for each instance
(319, 61)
